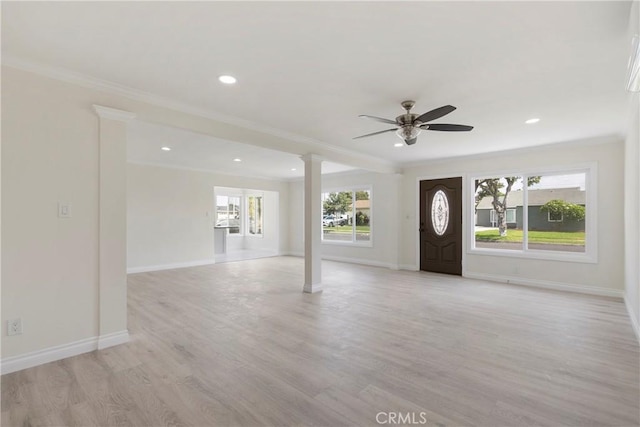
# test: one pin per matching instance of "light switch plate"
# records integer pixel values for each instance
(64, 210)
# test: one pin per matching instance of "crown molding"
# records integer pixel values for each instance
(312, 157)
(347, 173)
(113, 113)
(89, 82)
(208, 171)
(585, 142)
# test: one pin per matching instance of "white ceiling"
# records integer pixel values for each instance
(192, 150)
(310, 68)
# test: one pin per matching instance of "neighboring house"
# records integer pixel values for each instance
(538, 220)
(363, 206)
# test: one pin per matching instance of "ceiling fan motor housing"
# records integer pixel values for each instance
(406, 119)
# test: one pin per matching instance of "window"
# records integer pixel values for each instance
(363, 215)
(440, 212)
(346, 216)
(554, 216)
(539, 215)
(557, 213)
(254, 214)
(496, 201)
(228, 213)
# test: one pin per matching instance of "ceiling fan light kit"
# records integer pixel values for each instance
(409, 125)
(408, 133)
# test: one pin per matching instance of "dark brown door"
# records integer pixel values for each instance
(441, 225)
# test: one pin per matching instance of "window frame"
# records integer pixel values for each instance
(590, 255)
(555, 220)
(353, 242)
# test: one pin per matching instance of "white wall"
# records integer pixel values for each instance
(49, 264)
(171, 213)
(632, 195)
(604, 277)
(384, 219)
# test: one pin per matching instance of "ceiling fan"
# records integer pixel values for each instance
(409, 125)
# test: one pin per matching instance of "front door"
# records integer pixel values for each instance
(441, 225)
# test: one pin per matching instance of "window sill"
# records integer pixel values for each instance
(580, 257)
(366, 244)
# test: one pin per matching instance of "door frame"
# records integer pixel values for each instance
(465, 213)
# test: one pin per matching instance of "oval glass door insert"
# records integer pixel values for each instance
(440, 212)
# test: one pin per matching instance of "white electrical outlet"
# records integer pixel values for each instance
(14, 327)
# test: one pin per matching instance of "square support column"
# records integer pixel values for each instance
(113, 226)
(312, 223)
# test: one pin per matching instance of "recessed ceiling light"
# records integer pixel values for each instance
(293, 169)
(237, 160)
(166, 149)
(228, 80)
(532, 121)
(398, 144)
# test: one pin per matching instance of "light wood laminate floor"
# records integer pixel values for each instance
(239, 344)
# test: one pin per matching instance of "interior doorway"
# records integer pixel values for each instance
(441, 225)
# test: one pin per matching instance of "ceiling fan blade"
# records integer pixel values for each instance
(378, 119)
(447, 127)
(410, 141)
(435, 114)
(374, 133)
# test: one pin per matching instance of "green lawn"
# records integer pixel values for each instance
(513, 235)
(346, 229)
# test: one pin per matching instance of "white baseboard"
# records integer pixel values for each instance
(360, 261)
(170, 266)
(114, 338)
(545, 284)
(58, 352)
(312, 289)
(409, 267)
(293, 253)
(634, 319)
